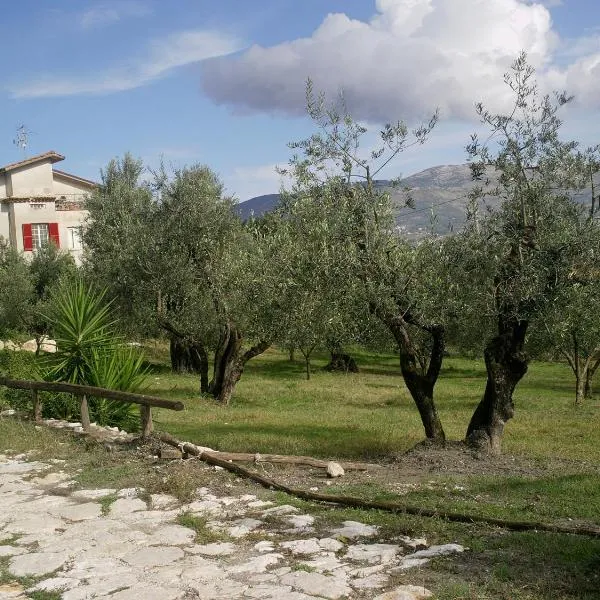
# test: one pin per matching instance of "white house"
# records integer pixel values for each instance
(40, 204)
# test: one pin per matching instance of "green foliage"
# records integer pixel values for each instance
(17, 365)
(16, 292)
(91, 353)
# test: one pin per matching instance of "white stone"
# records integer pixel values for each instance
(92, 494)
(36, 563)
(301, 522)
(124, 506)
(171, 535)
(406, 592)
(309, 546)
(243, 527)
(154, 557)
(330, 544)
(325, 562)
(259, 504)
(410, 563)
(80, 512)
(264, 546)
(334, 469)
(354, 529)
(284, 509)
(215, 549)
(258, 564)
(160, 501)
(373, 553)
(11, 551)
(315, 584)
(441, 550)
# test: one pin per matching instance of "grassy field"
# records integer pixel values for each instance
(550, 470)
(370, 414)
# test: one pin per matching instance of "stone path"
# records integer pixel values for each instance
(74, 543)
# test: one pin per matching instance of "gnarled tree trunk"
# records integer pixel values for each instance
(229, 363)
(506, 364)
(420, 384)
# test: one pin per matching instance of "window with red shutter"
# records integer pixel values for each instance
(53, 234)
(27, 237)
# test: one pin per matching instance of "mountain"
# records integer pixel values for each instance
(439, 196)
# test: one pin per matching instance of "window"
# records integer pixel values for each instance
(38, 235)
(74, 238)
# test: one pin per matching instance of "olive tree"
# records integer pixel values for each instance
(361, 220)
(518, 256)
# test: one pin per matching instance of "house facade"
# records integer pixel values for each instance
(40, 204)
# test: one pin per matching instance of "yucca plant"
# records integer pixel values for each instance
(90, 351)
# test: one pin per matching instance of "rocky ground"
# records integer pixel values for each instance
(129, 544)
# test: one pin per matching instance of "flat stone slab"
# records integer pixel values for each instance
(373, 553)
(36, 563)
(11, 550)
(154, 557)
(215, 549)
(80, 512)
(93, 494)
(309, 546)
(316, 584)
(354, 529)
(124, 506)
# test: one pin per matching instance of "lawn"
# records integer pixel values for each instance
(370, 414)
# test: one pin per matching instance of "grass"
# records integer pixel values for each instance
(204, 534)
(554, 476)
(370, 414)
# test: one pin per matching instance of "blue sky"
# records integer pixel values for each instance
(221, 81)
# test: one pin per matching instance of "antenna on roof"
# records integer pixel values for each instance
(22, 139)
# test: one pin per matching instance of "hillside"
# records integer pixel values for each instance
(439, 195)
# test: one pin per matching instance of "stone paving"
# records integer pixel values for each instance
(74, 543)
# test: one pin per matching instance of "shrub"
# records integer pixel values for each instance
(90, 352)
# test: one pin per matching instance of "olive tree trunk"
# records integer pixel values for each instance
(506, 364)
(230, 360)
(420, 383)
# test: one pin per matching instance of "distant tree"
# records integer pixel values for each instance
(49, 269)
(16, 291)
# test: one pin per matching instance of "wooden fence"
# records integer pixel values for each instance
(84, 391)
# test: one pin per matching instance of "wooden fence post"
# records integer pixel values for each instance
(85, 413)
(146, 417)
(37, 406)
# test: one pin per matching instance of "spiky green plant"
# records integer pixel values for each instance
(90, 351)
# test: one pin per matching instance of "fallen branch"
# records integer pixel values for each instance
(214, 459)
(272, 458)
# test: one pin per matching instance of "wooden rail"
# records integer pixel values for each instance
(83, 391)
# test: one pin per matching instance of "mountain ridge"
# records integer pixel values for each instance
(439, 197)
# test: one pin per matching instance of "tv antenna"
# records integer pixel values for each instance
(21, 140)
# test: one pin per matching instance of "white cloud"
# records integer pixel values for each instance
(161, 57)
(409, 58)
(105, 14)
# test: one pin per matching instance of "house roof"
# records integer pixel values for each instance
(51, 155)
(75, 178)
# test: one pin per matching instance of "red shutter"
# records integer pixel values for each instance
(53, 234)
(27, 237)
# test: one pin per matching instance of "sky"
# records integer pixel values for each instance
(222, 82)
